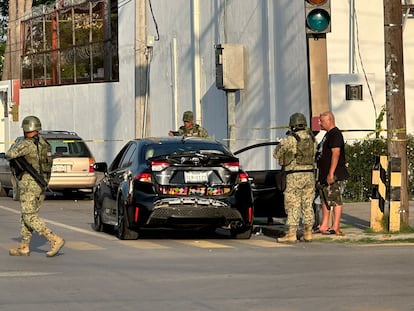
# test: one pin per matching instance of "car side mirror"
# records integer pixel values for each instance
(100, 167)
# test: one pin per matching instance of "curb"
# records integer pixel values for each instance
(351, 235)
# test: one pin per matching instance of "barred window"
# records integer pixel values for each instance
(75, 41)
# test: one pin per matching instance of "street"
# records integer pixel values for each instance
(166, 270)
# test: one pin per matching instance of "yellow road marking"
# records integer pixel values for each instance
(203, 244)
(82, 246)
(143, 244)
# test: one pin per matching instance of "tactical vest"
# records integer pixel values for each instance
(45, 158)
(304, 149)
(194, 131)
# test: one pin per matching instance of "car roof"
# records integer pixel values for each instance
(175, 139)
(50, 134)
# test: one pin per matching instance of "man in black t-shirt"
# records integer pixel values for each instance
(332, 173)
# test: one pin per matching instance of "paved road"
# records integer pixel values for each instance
(188, 272)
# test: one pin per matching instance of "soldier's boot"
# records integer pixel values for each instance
(290, 236)
(22, 250)
(307, 233)
(56, 242)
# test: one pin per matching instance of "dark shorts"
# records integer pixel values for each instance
(332, 195)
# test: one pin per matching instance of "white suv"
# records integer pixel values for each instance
(72, 165)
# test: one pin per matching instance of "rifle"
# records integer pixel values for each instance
(20, 165)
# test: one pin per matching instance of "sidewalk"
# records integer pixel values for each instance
(355, 224)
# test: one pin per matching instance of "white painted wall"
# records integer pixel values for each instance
(369, 61)
(273, 35)
(95, 111)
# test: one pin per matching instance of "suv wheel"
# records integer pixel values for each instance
(15, 190)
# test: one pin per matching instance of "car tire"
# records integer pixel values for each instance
(15, 190)
(242, 234)
(90, 194)
(123, 232)
(3, 192)
(97, 219)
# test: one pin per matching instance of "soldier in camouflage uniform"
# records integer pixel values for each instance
(296, 153)
(189, 128)
(37, 152)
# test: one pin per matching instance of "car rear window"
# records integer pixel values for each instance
(157, 150)
(68, 148)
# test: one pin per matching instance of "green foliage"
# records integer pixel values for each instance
(361, 160)
(4, 8)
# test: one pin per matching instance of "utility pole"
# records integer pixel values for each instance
(141, 69)
(395, 96)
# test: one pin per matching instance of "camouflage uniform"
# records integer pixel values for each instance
(300, 187)
(31, 194)
(296, 153)
(195, 131)
(37, 152)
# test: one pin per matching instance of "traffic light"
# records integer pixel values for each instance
(318, 16)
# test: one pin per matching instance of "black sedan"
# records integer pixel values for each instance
(173, 182)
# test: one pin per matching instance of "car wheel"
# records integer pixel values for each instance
(89, 195)
(123, 232)
(97, 219)
(242, 233)
(3, 192)
(15, 190)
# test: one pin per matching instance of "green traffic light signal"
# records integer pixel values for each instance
(318, 16)
(318, 20)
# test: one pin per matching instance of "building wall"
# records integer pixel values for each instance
(182, 74)
(369, 62)
(96, 111)
(273, 35)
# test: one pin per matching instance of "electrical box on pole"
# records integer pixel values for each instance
(230, 78)
(230, 67)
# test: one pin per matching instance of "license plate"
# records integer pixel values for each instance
(59, 168)
(195, 177)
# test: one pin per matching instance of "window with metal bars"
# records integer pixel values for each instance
(69, 43)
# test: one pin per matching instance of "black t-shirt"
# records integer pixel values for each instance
(332, 139)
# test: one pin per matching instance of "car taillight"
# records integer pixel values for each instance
(243, 177)
(143, 177)
(136, 215)
(91, 163)
(232, 166)
(250, 215)
(159, 165)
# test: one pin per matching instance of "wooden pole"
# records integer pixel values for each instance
(395, 98)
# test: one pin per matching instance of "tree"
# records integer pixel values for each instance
(4, 12)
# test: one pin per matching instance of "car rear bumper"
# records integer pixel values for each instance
(76, 182)
(193, 211)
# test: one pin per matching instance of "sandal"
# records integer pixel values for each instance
(329, 232)
(332, 231)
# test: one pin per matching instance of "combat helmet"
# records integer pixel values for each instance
(297, 121)
(188, 116)
(31, 123)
